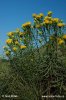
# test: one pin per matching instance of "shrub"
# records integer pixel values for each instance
(36, 54)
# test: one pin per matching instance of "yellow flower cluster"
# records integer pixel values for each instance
(64, 37)
(10, 34)
(9, 41)
(60, 24)
(60, 41)
(55, 20)
(50, 13)
(27, 24)
(48, 20)
(34, 15)
(39, 16)
(16, 42)
(22, 47)
(14, 49)
(21, 34)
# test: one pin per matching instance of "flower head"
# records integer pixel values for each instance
(50, 13)
(7, 53)
(64, 37)
(55, 20)
(14, 49)
(60, 41)
(34, 15)
(27, 24)
(21, 34)
(10, 34)
(9, 41)
(46, 21)
(38, 16)
(41, 14)
(16, 42)
(22, 47)
(60, 24)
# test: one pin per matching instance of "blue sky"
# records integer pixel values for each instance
(13, 13)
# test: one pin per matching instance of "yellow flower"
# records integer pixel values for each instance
(10, 34)
(48, 18)
(64, 37)
(55, 20)
(50, 22)
(41, 14)
(38, 16)
(7, 53)
(16, 42)
(22, 47)
(49, 13)
(60, 24)
(21, 34)
(46, 21)
(9, 41)
(34, 15)
(14, 49)
(27, 24)
(60, 41)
